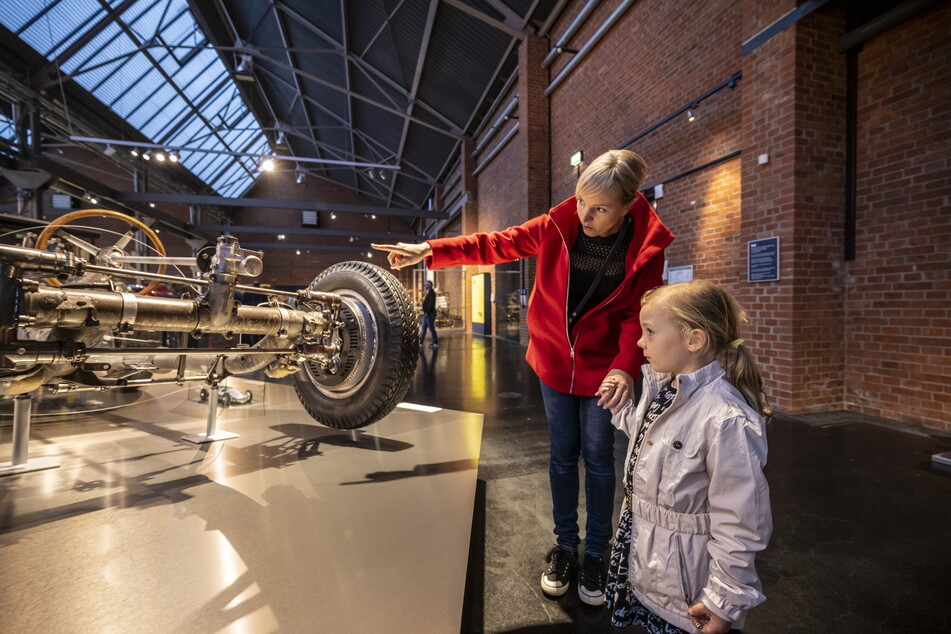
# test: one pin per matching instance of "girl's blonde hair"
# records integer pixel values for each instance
(620, 171)
(706, 306)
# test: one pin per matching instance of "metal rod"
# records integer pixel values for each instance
(187, 351)
(95, 268)
(153, 259)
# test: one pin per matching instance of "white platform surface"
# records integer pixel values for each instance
(291, 527)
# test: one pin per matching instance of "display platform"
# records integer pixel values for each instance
(290, 527)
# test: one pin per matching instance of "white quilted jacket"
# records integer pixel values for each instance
(700, 501)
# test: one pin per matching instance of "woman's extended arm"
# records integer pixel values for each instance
(404, 254)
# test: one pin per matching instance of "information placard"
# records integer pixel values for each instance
(763, 260)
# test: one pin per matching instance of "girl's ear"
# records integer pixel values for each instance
(696, 340)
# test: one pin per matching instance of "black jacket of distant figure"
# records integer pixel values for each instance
(429, 303)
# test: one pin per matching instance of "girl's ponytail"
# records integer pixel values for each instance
(744, 375)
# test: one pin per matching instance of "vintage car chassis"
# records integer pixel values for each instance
(349, 340)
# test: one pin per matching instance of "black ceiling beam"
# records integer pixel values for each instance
(386, 235)
(310, 205)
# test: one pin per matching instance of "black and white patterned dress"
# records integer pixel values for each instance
(625, 609)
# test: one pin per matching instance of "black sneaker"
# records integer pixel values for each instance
(591, 581)
(561, 568)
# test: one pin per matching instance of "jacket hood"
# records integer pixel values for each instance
(646, 223)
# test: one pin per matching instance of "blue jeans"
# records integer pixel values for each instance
(579, 427)
(429, 321)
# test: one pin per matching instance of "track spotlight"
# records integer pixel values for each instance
(267, 164)
(281, 236)
(565, 49)
(160, 157)
(172, 156)
(109, 150)
(690, 115)
(351, 238)
(333, 216)
(242, 71)
(300, 176)
(280, 138)
(134, 152)
(147, 156)
(382, 175)
(373, 216)
(369, 254)
(298, 252)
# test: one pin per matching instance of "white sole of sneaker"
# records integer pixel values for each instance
(553, 591)
(590, 599)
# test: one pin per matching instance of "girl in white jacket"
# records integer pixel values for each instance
(696, 508)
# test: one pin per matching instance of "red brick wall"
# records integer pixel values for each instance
(284, 267)
(870, 335)
(898, 330)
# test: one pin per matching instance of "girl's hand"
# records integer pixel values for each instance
(706, 621)
(404, 254)
(615, 390)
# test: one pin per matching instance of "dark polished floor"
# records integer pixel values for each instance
(862, 538)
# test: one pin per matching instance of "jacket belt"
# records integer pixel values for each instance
(690, 523)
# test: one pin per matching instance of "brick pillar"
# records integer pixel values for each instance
(819, 276)
(769, 194)
(793, 111)
(534, 126)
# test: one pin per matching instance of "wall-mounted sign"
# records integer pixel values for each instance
(679, 274)
(763, 260)
(576, 158)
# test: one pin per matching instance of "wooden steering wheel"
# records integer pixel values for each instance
(51, 228)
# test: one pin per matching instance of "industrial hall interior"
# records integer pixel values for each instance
(510, 316)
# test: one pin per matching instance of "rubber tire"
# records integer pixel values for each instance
(391, 374)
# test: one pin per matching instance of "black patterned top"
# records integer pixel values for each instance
(585, 259)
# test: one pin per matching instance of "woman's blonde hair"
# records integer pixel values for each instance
(706, 306)
(620, 171)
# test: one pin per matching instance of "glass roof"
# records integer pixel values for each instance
(152, 65)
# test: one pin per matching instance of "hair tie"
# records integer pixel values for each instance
(736, 343)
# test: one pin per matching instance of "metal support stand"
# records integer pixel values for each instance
(20, 463)
(210, 434)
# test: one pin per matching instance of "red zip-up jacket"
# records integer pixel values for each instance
(604, 338)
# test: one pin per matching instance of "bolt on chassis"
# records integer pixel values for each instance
(349, 340)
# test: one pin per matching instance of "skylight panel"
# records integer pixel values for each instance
(154, 68)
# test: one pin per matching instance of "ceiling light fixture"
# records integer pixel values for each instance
(159, 156)
(267, 164)
(109, 150)
(134, 152)
(243, 71)
(153, 147)
(333, 216)
(172, 156)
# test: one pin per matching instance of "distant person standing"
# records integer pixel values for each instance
(429, 315)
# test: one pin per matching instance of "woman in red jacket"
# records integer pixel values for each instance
(597, 253)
